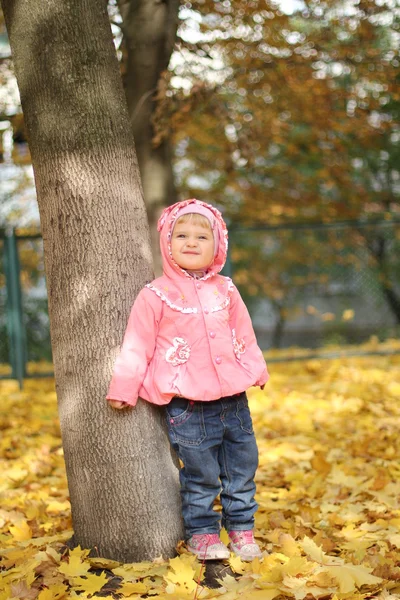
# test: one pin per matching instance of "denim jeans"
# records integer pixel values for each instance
(216, 444)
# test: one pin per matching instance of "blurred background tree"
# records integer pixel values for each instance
(274, 116)
(281, 113)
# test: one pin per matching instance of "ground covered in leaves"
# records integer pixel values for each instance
(328, 493)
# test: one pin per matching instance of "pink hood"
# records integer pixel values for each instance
(165, 226)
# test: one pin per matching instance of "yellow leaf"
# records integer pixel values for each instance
(129, 588)
(17, 474)
(75, 567)
(91, 584)
(21, 532)
(5, 594)
(297, 565)
(236, 564)
(269, 594)
(395, 540)
(135, 571)
(312, 550)
(103, 563)
(288, 545)
(351, 576)
(53, 592)
(295, 584)
(50, 554)
(320, 464)
(224, 537)
(394, 389)
(56, 507)
(183, 571)
(80, 552)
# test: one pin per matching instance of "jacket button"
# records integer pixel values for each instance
(205, 310)
(212, 334)
(218, 360)
(198, 285)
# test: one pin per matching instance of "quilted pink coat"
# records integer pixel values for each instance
(185, 336)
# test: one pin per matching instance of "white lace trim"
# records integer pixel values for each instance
(223, 305)
(227, 300)
(239, 345)
(231, 285)
(169, 303)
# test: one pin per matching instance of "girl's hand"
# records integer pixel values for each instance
(118, 404)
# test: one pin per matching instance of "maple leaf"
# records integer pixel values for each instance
(75, 567)
(128, 588)
(103, 563)
(317, 526)
(224, 537)
(21, 532)
(5, 594)
(236, 564)
(135, 571)
(297, 565)
(351, 576)
(53, 592)
(395, 540)
(23, 590)
(313, 551)
(288, 545)
(260, 594)
(182, 571)
(91, 584)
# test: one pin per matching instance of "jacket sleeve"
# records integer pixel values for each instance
(243, 332)
(137, 348)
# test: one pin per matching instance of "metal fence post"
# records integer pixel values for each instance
(15, 326)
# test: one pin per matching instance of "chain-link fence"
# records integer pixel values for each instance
(24, 320)
(313, 286)
(308, 286)
(4, 338)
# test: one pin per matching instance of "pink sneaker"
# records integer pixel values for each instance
(244, 545)
(207, 546)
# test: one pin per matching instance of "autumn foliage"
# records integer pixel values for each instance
(328, 493)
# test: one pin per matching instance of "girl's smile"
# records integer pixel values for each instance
(192, 246)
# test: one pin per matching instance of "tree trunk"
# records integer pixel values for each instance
(122, 479)
(279, 326)
(376, 244)
(149, 30)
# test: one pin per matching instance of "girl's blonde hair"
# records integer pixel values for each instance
(196, 219)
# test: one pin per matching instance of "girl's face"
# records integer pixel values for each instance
(192, 246)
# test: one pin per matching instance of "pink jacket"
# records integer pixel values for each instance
(185, 336)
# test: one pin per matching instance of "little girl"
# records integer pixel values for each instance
(190, 345)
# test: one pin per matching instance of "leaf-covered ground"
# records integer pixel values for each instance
(328, 493)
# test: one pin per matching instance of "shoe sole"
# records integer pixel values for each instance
(207, 556)
(243, 556)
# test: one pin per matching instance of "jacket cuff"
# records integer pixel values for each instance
(130, 401)
(263, 379)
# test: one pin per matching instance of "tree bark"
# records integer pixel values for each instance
(149, 31)
(122, 478)
(377, 245)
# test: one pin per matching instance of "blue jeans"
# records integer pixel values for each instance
(216, 444)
